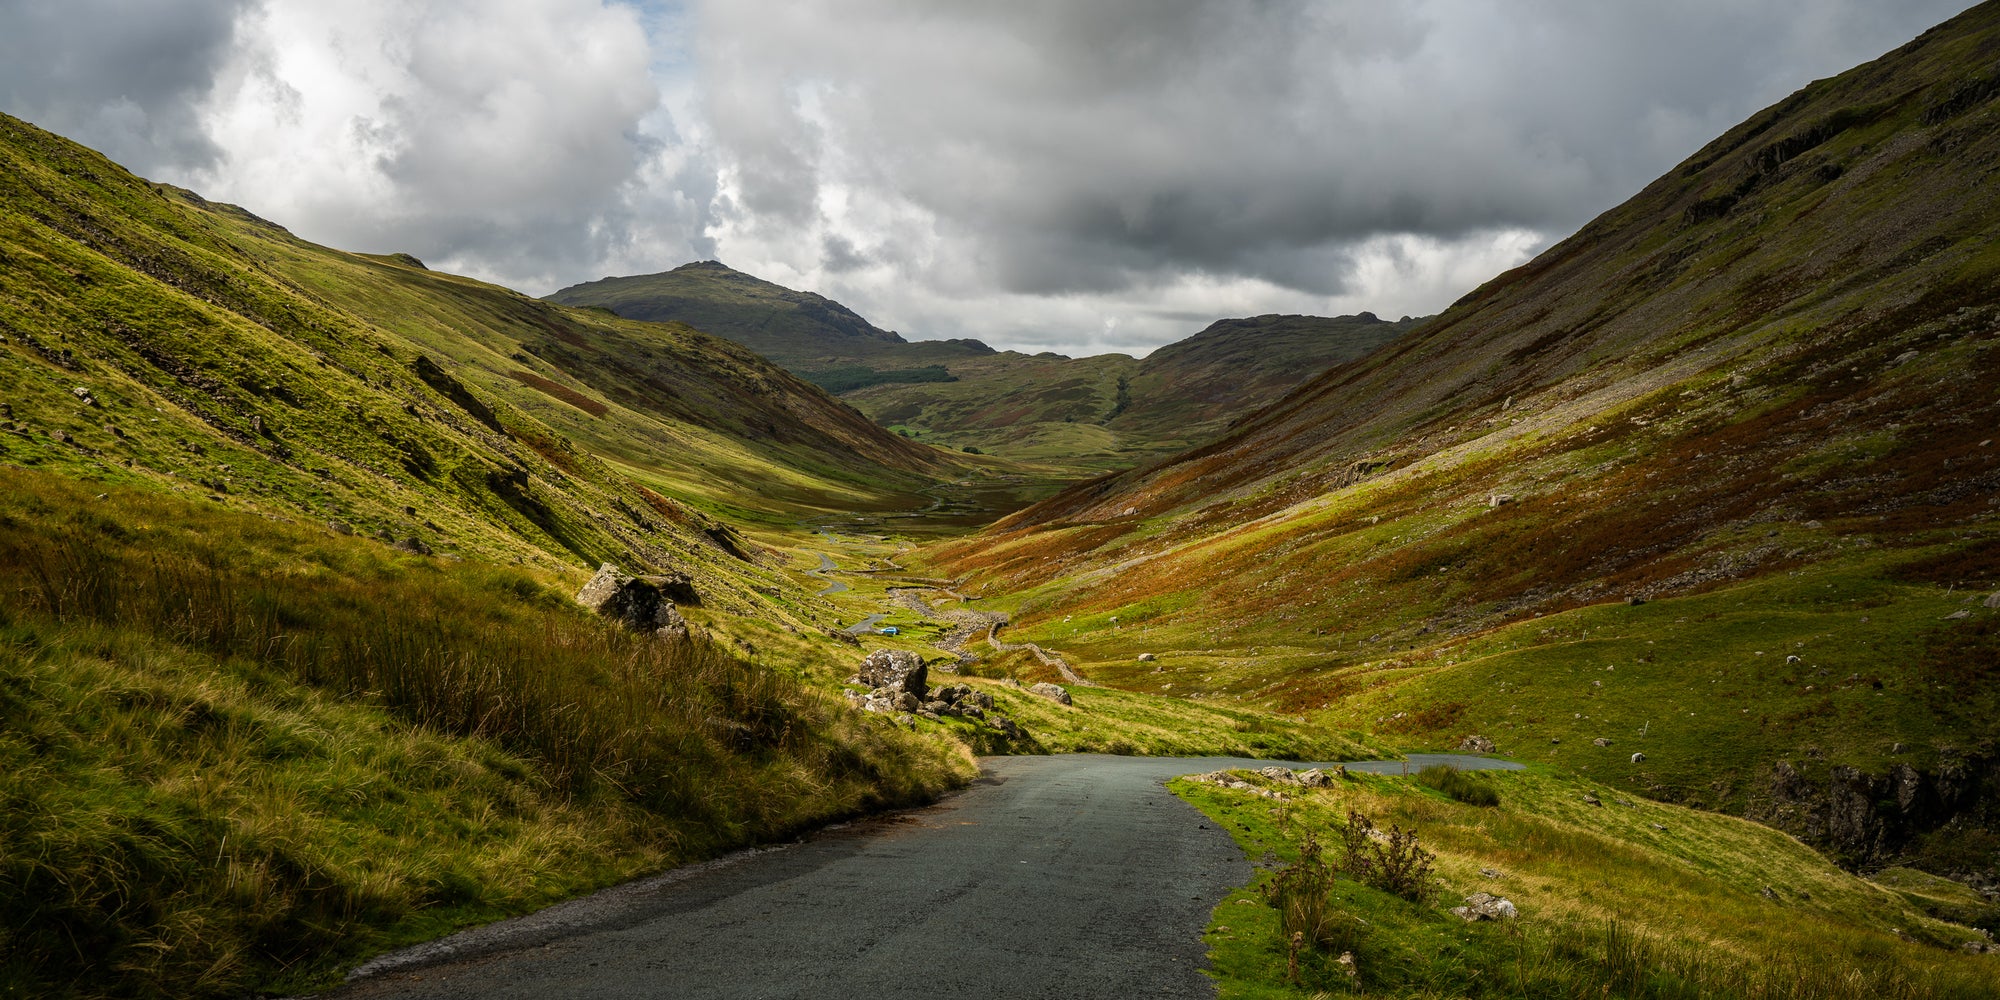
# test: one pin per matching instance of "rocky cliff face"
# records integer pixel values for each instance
(1904, 813)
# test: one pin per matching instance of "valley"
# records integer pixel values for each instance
(348, 603)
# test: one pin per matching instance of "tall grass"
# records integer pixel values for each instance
(233, 752)
(1459, 785)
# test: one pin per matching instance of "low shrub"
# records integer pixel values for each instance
(1395, 862)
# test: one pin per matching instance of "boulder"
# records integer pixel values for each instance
(1147, 657)
(1485, 906)
(1638, 758)
(1314, 778)
(1006, 726)
(636, 602)
(1053, 692)
(1600, 742)
(1476, 744)
(1592, 800)
(897, 670)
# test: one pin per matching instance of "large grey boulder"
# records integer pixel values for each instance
(894, 670)
(639, 603)
(1053, 692)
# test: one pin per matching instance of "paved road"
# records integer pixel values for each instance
(827, 565)
(1068, 876)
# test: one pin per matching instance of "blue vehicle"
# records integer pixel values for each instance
(890, 630)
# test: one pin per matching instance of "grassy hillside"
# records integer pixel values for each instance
(155, 339)
(1759, 396)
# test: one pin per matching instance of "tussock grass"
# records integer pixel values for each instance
(237, 755)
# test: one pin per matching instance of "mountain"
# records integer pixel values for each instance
(1712, 481)
(1094, 413)
(799, 330)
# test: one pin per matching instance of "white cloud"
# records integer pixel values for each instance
(513, 139)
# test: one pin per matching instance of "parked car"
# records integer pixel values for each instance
(890, 630)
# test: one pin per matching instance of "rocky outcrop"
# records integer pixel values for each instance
(641, 604)
(1866, 819)
(896, 680)
(1476, 744)
(1053, 692)
(1310, 778)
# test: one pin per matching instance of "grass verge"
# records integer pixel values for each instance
(1625, 899)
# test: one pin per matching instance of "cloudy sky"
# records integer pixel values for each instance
(1041, 174)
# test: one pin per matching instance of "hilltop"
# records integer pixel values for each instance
(1711, 481)
(1076, 414)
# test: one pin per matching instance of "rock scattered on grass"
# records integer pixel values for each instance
(1476, 744)
(1485, 906)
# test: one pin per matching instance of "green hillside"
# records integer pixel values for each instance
(1711, 481)
(288, 537)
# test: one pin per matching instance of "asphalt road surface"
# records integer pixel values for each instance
(1066, 876)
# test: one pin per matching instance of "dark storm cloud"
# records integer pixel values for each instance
(1092, 147)
(123, 76)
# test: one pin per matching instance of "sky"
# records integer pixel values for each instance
(1081, 177)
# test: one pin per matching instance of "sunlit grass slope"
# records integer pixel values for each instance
(155, 338)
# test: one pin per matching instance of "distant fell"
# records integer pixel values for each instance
(1081, 414)
(796, 329)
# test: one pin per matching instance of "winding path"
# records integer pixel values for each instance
(967, 623)
(1068, 876)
